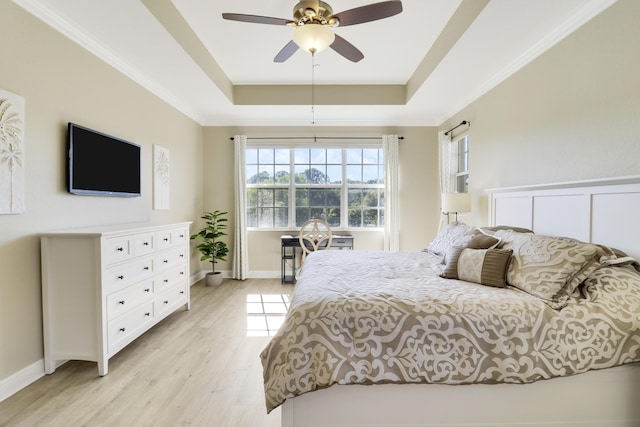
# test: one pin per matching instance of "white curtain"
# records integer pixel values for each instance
(391, 214)
(240, 251)
(445, 170)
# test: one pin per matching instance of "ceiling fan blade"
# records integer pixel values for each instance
(286, 52)
(255, 19)
(368, 13)
(346, 49)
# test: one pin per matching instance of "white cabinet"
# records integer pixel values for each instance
(103, 287)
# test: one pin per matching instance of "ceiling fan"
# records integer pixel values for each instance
(312, 22)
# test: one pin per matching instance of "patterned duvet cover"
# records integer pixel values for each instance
(365, 317)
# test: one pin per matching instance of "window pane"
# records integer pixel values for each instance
(265, 197)
(282, 174)
(282, 217)
(251, 156)
(265, 156)
(281, 156)
(334, 156)
(370, 218)
(370, 156)
(317, 175)
(266, 175)
(370, 198)
(301, 174)
(302, 215)
(334, 174)
(370, 174)
(282, 198)
(252, 197)
(265, 217)
(317, 197)
(302, 156)
(354, 174)
(354, 155)
(318, 155)
(252, 217)
(251, 174)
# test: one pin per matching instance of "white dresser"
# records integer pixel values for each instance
(103, 287)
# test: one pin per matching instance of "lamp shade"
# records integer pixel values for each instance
(456, 202)
(313, 37)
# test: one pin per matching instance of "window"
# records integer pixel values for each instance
(461, 158)
(341, 185)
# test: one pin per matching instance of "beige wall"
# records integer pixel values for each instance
(418, 187)
(61, 82)
(572, 114)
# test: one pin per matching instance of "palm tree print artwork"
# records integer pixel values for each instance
(11, 153)
(160, 177)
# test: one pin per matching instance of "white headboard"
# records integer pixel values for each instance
(605, 211)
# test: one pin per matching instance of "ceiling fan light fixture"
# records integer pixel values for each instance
(313, 37)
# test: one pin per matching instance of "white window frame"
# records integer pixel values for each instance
(460, 157)
(344, 186)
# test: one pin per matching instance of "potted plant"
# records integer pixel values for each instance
(212, 249)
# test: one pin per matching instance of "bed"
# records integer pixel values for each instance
(530, 323)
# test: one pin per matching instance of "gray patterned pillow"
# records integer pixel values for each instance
(484, 266)
(455, 234)
(550, 268)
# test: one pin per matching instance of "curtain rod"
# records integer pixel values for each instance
(462, 123)
(315, 138)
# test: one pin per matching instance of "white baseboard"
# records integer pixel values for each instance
(265, 274)
(16, 382)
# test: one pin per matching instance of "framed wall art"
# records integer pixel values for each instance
(12, 162)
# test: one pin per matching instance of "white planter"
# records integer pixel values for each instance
(213, 279)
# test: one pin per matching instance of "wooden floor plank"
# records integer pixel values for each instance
(195, 368)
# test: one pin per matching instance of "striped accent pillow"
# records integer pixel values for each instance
(484, 266)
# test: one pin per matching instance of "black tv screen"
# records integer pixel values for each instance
(99, 164)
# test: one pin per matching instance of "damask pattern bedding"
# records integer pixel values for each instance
(364, 317)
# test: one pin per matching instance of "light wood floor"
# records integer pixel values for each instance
(195, 368)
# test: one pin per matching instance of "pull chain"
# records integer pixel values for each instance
(313, 88)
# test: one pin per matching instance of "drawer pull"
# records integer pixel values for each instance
(122, 329)
(147, 290)
(146, 243)
(182, 273)
(121, 302)
(181, 292)
(147, 314)
(166, 261)
(146, 268)
(166, 239)
(166, 280)
(181, 255)
(120, 249)
(121, 277)
(182, 236)
(166, 301)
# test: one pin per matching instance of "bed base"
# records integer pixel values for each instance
(604, 398)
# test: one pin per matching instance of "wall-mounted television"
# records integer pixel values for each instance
(102, 165)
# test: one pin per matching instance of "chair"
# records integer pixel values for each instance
(314, 234)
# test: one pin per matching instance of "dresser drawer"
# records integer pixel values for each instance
(116, 249)
(129, 297)
(170, 277)
(171, 258)
(169, 299)
(180, 236)
(165, 239)
(119, 276)
(144, 243)
(123, 329)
